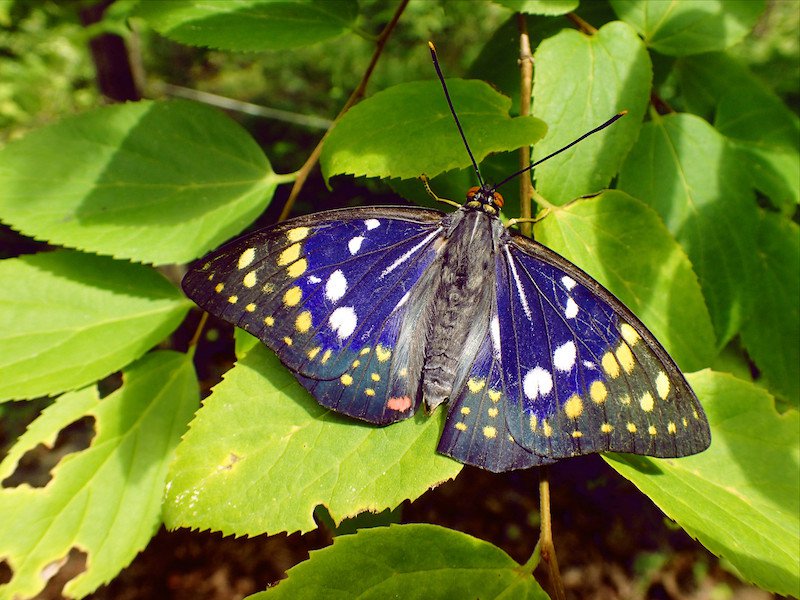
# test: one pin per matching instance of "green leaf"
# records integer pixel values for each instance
(580, 82)
(250, 25)
(687, 171)
(158, 182)
(68, 319)
(772, 331)
(752, 117)
(741, 497)
(104, 500)
(690, 26)
(407, 561)
(407, 130)
(624, 245)
(262, 440)
(540, 7)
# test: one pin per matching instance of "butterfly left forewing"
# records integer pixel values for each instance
(326, 292)
(582, 373)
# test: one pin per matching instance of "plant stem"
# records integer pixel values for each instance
(545, 545)
(357, 94)
(526, 83)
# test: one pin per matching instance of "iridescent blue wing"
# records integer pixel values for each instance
(476, 431)
(327, 293)
(582, 374)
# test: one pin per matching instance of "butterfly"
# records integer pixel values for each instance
(378, 310)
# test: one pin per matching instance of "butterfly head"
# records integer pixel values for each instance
(484, 198)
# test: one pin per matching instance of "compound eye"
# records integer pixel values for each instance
(498, 200)
(472, 191)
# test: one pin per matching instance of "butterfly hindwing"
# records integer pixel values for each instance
(476, 431)
(327, 293)
(581, 372)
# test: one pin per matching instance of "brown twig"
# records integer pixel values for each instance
(546, 546)
(585, 27)
(526, 83)
(357, 94)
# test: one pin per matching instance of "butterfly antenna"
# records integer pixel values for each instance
(453, 111)
(567, 147)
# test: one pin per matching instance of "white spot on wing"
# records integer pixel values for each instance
(371, 224)
(537, 382)
(520, 291)
(564, 356)
(589, 364)
(405, 256)
(403, 300)
(343, 321)
(354, 245)
(494, 330)
(313, 279)
(571, 311)
(336, 286)
(568, 282)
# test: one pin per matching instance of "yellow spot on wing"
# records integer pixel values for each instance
(629, 334)
(548, 431)
(476, 385)
(651, 430)
(297, 234)
(346, 379)
(494, 395)
(533, 423)
(297, 268)
(382, 353)
(662, 385)
(492, 412)
(375, 377)
(293, 296)
(625, 357)
(269, 321)
(646, 402)
(625, 399)
(249, 280)
(246, 258)
(268, 288)
(291, 254)
(303, 322)
(465, 410)
(219, 287)
(461, 426)
(610, 365)
(250, 307)
(631, 427)
(364, 351)
(287, 341)
(672, 428)
(598, 392)
(369, 392)
(233, 299)
(312, 354)
(356, 363)
(325, 356)
(489, 432)
(574, 406)
(577, 434)
(606, 427)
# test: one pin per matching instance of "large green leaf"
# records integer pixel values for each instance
(540, 7)
(407, 130)
(686, 170)
(261, 440)
(104, 500)
(407, 561)
(250, 24)
(623, 244)
(157, 182)
(771, 332)
(68, 319)
(741, 497)
(752, 117)
(678, 28)
(579, 82)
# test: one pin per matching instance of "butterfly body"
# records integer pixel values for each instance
(380, 310)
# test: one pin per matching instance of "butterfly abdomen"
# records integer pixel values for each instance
(456, 316)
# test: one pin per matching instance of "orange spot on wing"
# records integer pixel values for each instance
(400, 404)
